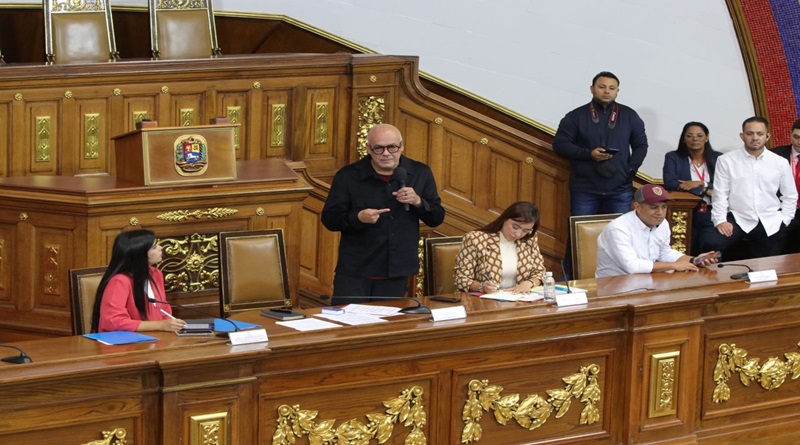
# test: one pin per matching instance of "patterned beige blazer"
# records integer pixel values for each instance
(480, 260)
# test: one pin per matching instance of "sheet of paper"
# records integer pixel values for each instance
(308, 324)
(504, 295)
(366, 309)
(352, 319)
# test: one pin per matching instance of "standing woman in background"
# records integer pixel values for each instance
(502, 255)
(690, 168)
(131, 283)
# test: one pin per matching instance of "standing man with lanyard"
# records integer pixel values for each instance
(377, 203)
(792, 154)
(606, 144)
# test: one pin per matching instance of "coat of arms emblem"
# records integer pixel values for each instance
(191, 155)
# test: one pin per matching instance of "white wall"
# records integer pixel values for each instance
(677, 60)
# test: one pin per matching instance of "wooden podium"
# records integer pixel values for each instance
(176, 155)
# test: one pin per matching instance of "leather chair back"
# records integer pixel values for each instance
(584, 231)
(182, 30)
(83, 292)
(253, 272)
(79, 32)
(440, 261)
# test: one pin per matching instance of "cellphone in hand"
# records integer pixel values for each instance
(612, 151)
(700, 258)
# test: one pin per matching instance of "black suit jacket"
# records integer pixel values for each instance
(785, 151)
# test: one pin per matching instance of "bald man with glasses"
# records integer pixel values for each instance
(376, 203)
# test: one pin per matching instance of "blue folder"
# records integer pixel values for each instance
(120, 337)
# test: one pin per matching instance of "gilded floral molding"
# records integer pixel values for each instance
(407, 409)
(371, 112)
(771, 375)
(534, 411)
(680, 227)
(183, 215)
(117, 436)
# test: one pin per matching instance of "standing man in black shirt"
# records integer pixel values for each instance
(376, 203)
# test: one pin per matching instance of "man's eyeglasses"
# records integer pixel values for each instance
(378, 149)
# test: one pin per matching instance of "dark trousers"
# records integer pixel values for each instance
(701, 222)
(758, 243)
(792, 244)
(348, 290)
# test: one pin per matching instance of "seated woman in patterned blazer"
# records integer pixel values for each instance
(502, 255)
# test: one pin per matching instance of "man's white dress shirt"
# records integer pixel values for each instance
(748, 187)
(628, 246)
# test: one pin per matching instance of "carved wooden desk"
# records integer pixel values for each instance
(652, 358)
(51, 224)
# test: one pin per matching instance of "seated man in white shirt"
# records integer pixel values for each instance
(754, 196)
(638, 241)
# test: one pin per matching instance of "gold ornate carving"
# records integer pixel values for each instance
(139, 116)
(52, 256)
(235, 115)
(43, 142)
(183, 215)
(373, 78)
(278, 136)
(134, 221)
(18, 96)
(116, 92)
(77, 6)
(165, 89)
(534, 411)
(663, 383)
(190, 263)
(771, 375)
(321, 115)
(438, 121)
(187, 117)
(679, 226)
(407, 409)
(260, 211)
(485, 141)
(256, 85)
(371, 111)
(209, 429)
(68, 94)
(181, 4)
(23, 216)
(91, 145)
(419, 281)
(117, 436)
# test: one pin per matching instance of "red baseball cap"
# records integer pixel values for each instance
(651, 194)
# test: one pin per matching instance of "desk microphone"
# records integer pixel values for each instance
(219, 334)
(418, 309)
(17, 359)
(401, 174)
(737, 276)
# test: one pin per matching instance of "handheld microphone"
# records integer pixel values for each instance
(220, 334)
(401, 174)
(737, 276)
(20, 359)
(418, 309)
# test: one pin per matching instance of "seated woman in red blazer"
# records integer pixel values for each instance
(131, 291)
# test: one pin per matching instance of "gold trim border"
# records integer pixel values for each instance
(664, 370)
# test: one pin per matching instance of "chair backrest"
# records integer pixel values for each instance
(253, 271)
(440, 261)
(83, 284)
(583, 232)
(182, 30)
(79, 32)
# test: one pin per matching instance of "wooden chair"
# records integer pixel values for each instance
(182, 30)
(79, 32)
(253, 271)
(440, 261)
(583, 232)
(83, 284)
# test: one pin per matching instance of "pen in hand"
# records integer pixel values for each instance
(167, 314)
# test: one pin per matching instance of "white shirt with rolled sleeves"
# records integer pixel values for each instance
(748, 187)
(628, 246)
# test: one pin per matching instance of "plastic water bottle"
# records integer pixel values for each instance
(549, 285)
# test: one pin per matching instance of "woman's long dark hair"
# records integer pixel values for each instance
(520, 211)
(128, 256)
(683, 150)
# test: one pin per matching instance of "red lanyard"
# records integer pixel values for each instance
(701, 176)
